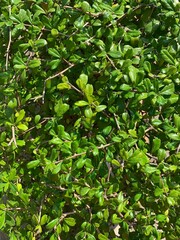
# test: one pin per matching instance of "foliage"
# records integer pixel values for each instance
(89, 119)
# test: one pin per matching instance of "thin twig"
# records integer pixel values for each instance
(115, 117)
(83, 153)
(66, 214)
(54, 76)
(40, 209)
(9, 43)
(112, 63)
(13, 139)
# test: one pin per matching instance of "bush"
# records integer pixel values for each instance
(89, 119)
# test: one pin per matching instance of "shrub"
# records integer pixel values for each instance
(89, 119)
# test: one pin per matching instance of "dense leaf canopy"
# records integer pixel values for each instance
(90, 119)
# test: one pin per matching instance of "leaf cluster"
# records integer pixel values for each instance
(90, 119)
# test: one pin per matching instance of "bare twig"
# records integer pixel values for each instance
(13, 139)
(83, 153)
(112, 63)
(115, 117)
(9, 43)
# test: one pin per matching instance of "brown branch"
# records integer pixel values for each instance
(84, 153)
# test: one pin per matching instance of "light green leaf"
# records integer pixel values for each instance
(60, 108)
(101, 139)
(81, 103)
(22, 127)
(147, 66)
(88, 112)
(116, 162)
(168, 90)
(44, 219)
(52, 223)
(34, 63)
(2, 219)
(115, 54)
(102, 237)
(62, 86)
(40, 43)
(20, 115)
(132, 73)
(84, 191)
(138, 157)
(33, 164)
(82, 81)
(158, 191)
(53, 52)
(167, 56)
(20, 143)
(100, 108)
(70, 221)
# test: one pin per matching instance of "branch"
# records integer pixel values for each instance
(84, 153)
(13, 139)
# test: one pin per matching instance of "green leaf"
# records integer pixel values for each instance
(125, 87)
(2, 219)
(84, 191)
(167, 56)
(33, 164)
(116, 139)
(149, 169)
(61, 108)
(100, 108)
(158, 192)
(115, 54)
(156, 145)
(85, 6)
(12, 103)
(40, 43)
(173, 98)
(22, 127)
(132, 73)
(34, 63)
(88, 112)
(107, 130)
(52, 223)
(161, 218)
(70, 221)
(174, 136)
(44, 219)
(102, 237)
(137, 197)
(147, 66)
(20, 115)
(101, 139)
(138, 157)
(21, 66)
(116, 162)
(82, 81)
(54, 63)
(177, 121)
(81, 103)
(62, 86)
(168, 90)
(54, 32)
(53, 52)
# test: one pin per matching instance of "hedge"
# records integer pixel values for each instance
(90, 119)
